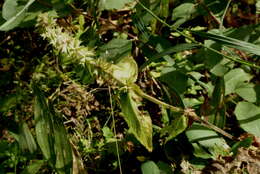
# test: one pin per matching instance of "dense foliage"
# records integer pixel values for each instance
(129, 86)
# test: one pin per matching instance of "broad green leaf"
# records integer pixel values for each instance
(26, 140)
(113, 4)
(177, 126)
(150, 167)
(34, 167)
(175, 80)
(9, 9)
(208, 139)
(115, 50)
(125, 70)
(247, 92)
(234, 78)
(139, 122)
(183, 13)
(231, 42)
(248, 116)
(17, 19)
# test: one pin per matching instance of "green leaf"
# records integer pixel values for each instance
(139, 122)
(218, 115)
(9, 102)
(115, 50)
(26, 140)
(113, 4)
(175, 49)
(247, 92)
(9, 9)
(43, 127)
(234, 78)
(125, 70)
(231, 42)
(176, 80)
(150, 167)
(183, 13)
(34, 167)
(51, 134)
(247, 142)
(208, 139)
(248, 116)
(177, 126)
(17, 19)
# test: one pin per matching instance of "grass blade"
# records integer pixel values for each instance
(230, 42)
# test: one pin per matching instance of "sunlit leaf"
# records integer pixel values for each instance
(113, 4)
(125, 70)
(247, 92)
(248, 116)
(9, 9)
(183, 13)
(139, 122)
(17, 19)
(234, 78)
(150, 167)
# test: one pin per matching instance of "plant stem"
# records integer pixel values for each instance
(114, 129)
(190, 113)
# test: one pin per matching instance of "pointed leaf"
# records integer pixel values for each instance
(247, 92)
(26, 140)
(234, 78)
(51, 134)
(43, 126)
(248, 116)
(17, 19)
(231, 42)
(139, 122)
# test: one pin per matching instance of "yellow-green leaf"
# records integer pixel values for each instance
(139, 122)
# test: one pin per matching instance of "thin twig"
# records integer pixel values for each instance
(224, 14)
(209, 12)
(114, 128)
